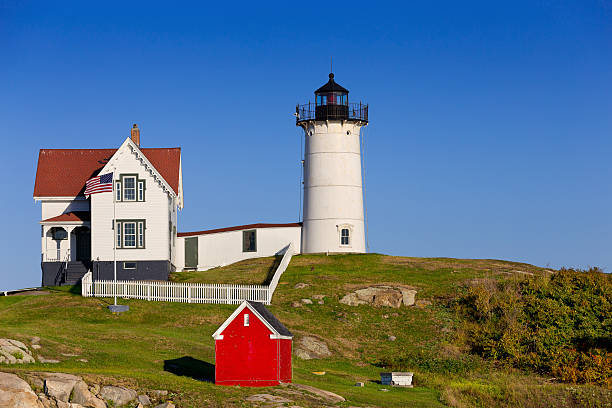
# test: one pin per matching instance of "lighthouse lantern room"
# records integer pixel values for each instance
(333, 220)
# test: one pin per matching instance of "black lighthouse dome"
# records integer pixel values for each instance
(331, 103)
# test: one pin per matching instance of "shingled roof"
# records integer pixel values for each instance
(270, 318)
(63, 172)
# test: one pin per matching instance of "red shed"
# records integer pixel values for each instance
(252, 348)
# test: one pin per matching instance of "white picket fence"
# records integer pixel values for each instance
(186, 292)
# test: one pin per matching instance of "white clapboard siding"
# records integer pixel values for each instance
(185, 292)
(154, 210)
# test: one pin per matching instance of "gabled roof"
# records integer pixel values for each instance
(279, 331)
(70, 217)
(270, 318)
(238, 228)
(63, 172)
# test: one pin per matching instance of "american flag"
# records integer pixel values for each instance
(99, 184)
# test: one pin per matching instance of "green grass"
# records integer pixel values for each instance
(151, 345)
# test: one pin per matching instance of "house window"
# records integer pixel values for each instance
(140, 234)
(249, 241)
(246, 319)
(344, 236)
(129, 265)
(141, 191)
(129, 188)
(118, 235)
(131, 233)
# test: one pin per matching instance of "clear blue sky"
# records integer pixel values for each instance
(490, 132)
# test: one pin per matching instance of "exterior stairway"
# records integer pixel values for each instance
(74, 272)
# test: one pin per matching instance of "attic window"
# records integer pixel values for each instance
(246, 319)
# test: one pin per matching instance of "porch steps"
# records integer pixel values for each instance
(74, 272)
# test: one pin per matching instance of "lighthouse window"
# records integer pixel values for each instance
(246, 319)
(344, 236)
(249, 241)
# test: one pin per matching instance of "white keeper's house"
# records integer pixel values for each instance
(136, 224)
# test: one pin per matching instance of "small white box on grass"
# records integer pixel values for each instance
(396, 379)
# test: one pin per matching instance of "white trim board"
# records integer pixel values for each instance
(275, 334)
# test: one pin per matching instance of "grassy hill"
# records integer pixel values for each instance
(164, 345)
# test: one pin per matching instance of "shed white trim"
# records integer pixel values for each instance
(275, 334)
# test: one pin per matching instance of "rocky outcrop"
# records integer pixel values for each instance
(118, 395)
(309, 347)
(69, 391)
(385, 296)
(16, 393)
(81, 395)
(14, 352)
(328, 396)
(60, 385)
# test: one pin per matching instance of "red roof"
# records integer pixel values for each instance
(73, 216)
(63, 172)
(238, 228)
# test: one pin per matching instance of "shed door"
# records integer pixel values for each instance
(191, 252)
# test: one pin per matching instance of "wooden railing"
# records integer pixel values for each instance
(185, 292)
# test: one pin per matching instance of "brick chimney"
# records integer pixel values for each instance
(135, 135)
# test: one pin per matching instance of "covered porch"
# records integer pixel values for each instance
(67, 238)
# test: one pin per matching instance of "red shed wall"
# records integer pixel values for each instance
(285, 359)
(246, 355)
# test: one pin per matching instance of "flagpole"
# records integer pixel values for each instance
(115, 235)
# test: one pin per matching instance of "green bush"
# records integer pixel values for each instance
(428, 361)
(558, 324)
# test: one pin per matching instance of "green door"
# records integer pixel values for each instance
(191, 253)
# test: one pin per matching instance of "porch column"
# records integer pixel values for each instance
(69, 230)
(43, 243)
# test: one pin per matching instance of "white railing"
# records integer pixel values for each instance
(185, 292)
(279, 271)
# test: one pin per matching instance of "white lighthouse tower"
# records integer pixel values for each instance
(333, 193)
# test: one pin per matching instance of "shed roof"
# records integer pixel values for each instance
(267, 318)
(266, 314)
(238, 228)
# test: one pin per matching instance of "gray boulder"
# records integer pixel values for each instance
(118, 395)
(386, 296)
(144, 400)
(59, 385)
(14, 352)
(16, 393)
(310, 347)
(81, 395)
(408, 296)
